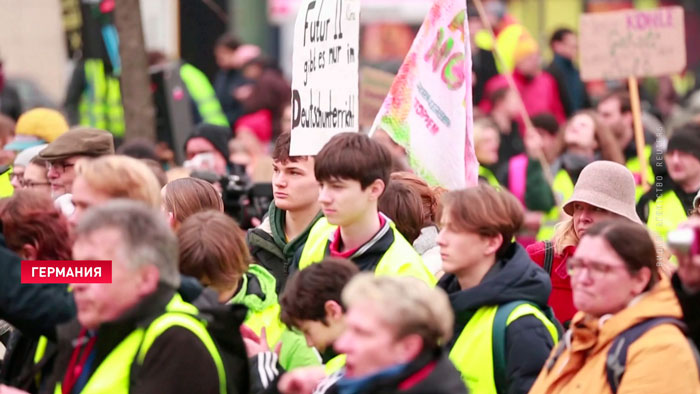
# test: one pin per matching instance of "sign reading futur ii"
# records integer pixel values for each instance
(617, 45)
(324, 73)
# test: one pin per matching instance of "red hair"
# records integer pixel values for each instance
(29, 217)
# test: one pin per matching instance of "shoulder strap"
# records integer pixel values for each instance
(617, 355)
(548, 257)
(499, 343)
(517, 175)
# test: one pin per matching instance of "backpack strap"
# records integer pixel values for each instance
(499, 343)
(548, 257)
(517, 176)
(617, 355)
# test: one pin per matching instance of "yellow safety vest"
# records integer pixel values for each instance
(399, 259)
(666, 213)
(335, 364)
(201, 91)
(563, 187)
(472, 353)
(489, 176)
(634, 166)
(112, 375)
(101, 103)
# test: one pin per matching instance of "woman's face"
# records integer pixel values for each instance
(460, 250)
(600, 281)
(486, 146)
(586, 215)
(580, 132)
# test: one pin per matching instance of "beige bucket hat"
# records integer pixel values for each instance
(606, 185)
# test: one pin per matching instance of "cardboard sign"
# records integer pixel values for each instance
(617, 45)
(428, 110)
(374, 86)
(324, 73)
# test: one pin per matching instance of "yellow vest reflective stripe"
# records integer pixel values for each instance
(203, 94)
(399, 259)
(563, 188)
(6, 188)
(634, 166)
(489, 176)
(472, 353)
(335, 364)
(666, 213)
(101, 103)
(112, 375)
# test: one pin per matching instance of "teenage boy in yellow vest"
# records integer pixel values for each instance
(353, 171)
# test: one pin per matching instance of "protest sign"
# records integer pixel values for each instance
(617, 45)
(428, 110)
(324, 73)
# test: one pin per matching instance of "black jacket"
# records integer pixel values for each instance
(177, 361)
(691, 308)
(528, 342)
(34, 309)
(429, 373)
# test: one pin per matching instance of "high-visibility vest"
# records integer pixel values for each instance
(489, 176)
(112, 375)
(101, 102)
(472, 352)
(666, 213)
(563, 188)
(399, 259)
(201, 91)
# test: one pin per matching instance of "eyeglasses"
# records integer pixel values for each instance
(59, 167)
(27, 184)
(18, 176)
(575, 265)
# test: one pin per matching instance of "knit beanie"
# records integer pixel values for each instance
(217, 135)
(687, 140)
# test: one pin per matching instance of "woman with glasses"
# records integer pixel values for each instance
(604, 190)
(617, 341)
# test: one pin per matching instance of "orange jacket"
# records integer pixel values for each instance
(660, 361)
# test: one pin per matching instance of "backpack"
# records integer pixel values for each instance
(616, 359)
(499, 338)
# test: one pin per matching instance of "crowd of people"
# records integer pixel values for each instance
(573, 266)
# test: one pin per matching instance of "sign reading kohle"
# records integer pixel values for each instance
(617, 45)
(324, 73)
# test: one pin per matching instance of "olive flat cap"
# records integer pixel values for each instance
(79, 141)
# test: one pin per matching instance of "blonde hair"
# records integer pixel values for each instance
(564, 235)
(408, 304)
(121, 177)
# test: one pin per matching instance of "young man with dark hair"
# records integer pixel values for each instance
(353, 171)
(292, 214)
(572, 91)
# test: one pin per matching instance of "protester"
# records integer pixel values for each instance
(64, 152)
(395, 328)
(426, 243)
(505, 113)
(10, 104)
(311, 304)
(213, 250)
(207, 149)
(686, 282)
(615, 111)
(572, 91)
(404, 207)
(353, 171)
(184, 197)
(122, 316)
(603, 190)
(624, 339)
(7, 132)
(35, 230)
(231, 55)
(584, 140)
(292, 214)
(548, 129)
(36, 127)
(495, 292)
(21, 162)
(670, 202)
(537, 88)
(483, 61)
(110, 177)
